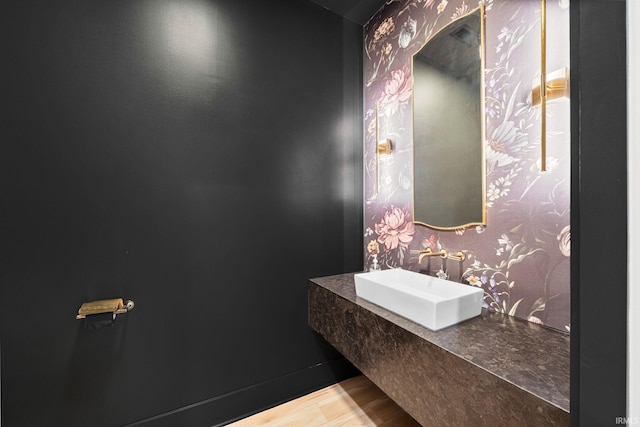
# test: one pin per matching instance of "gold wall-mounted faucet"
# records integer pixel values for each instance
(443, 253)
(429, 253)
(458, 256)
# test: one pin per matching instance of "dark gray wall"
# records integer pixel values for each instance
(598, 212)
(202, 158)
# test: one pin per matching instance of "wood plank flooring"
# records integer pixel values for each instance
(351, 403)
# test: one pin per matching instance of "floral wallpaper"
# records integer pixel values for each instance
(521, 256)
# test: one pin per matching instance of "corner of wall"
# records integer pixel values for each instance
(633, 99)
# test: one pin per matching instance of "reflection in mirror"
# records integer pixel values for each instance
(448, 126)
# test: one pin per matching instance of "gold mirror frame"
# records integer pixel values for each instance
(482, 142)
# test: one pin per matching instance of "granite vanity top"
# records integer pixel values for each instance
(527, 355)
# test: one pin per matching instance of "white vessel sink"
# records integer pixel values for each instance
(429, 301)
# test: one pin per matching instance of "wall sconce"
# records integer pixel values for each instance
(557, 87)
(382, 147)
(552, 86)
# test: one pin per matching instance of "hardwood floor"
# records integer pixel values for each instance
(351, 403)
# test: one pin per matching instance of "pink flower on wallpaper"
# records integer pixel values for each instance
(384, 29)
(430, 242)
(395, 228)
(397, 91)
(564, 239)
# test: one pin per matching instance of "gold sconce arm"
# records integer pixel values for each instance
(384, 146)
(557, 87)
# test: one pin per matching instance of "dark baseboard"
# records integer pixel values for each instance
(238, 404)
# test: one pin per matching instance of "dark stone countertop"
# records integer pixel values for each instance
(530, 356)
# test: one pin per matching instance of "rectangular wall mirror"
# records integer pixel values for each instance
(448, 126)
